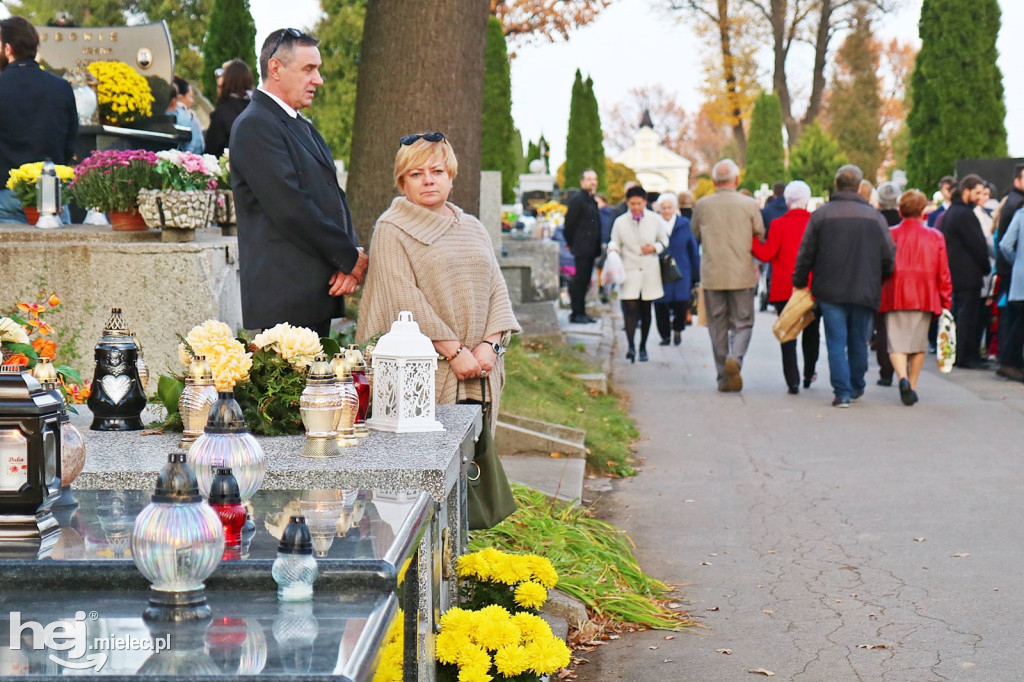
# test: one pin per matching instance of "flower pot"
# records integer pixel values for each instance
(225, 208)
(127, 222)
(176, 209)
(32, 213)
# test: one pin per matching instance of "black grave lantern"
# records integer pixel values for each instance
(29, 457)
(117, 398)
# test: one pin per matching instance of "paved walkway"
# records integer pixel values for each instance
(881, 542)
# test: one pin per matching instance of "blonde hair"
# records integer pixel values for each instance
(421, 151)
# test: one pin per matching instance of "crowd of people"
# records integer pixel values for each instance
(882, 264)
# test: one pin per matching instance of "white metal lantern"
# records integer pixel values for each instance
(404, 364)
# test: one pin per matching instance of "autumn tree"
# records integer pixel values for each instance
(958, 107)
(401, 92)
(341, 33)
(815, 159)
(897, 64)
(231, 35)
(766, 154)
(496, 147)
(615, 174)
(81, 12)
(529, 21)
(671, 122)
(854, 102)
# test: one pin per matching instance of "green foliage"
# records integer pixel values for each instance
(596, 146)
(82, 12)
(341, 35)
(231, 35)
(517, 152)
(496, 146)
(168, 391)
(540, 384)
(594, 559)
(766, 155)
(855, 104)
(815, 159)
(616, 175)
(532, 152)
(584, 145)
(957, 87)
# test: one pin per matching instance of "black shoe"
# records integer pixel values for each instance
(906, 395)
(882, 381)
(643, 355)
(931, 349)
(973, 364)
(840, 402)
(808, 382)
(631, 355)
(794, 389)
(677, 338)
(913, 396)
(581, 319)
(664, 342)
(1010, 372)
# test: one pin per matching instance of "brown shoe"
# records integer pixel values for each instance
(733, 380)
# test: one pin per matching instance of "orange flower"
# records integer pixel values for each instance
(33, 308)
(19, 359)
(54, 300)
(45, 348)
(44, 328)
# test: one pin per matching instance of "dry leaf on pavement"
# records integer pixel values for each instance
(762, 671)
(872, 646)
(727, 652)
(962, 555)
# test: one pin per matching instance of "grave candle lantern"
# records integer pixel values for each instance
(72, 445)
(319, 405)
(48, 197)
(196, 400)
(405, 362)
(362, 385)
(117, 398)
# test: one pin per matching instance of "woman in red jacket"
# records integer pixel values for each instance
(918, 290)
(780, 249)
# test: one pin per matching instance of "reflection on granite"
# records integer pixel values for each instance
(383, 461)
(333, 638)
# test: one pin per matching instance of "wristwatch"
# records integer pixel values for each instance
(498, 349)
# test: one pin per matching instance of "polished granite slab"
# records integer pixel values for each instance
(383, 461)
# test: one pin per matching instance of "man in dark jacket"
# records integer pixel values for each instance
(38, 116)
(968, 265)
(848, 248)
(774, 207)
(583, 236)
(1011, 352)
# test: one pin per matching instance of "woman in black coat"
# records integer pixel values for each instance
(234, 84)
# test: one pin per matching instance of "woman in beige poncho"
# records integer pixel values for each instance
(429, 257)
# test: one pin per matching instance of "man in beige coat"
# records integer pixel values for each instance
(723, 224)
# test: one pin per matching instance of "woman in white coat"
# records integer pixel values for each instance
(639, 235)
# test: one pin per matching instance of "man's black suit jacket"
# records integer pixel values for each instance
(38, 117)
(294, 225)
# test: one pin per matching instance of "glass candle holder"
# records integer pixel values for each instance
(226, 501)
(295, 569)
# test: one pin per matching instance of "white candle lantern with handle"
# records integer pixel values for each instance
(404, 364)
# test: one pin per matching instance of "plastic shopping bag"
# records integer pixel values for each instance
(614, 272)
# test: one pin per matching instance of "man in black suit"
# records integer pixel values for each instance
(38, 116)
(298, 253)
(583, 237)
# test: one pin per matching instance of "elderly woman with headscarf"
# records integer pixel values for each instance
(780, 249)
(638, 236)
(919, 289)
(672, 311)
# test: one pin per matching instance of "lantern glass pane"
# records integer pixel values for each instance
(13, 460)
(50, 453)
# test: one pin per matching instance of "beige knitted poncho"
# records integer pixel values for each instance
(443, 270)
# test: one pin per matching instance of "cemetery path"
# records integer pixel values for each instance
(876, 543)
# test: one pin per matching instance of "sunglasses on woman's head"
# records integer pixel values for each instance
(429, 137)
(293, 32)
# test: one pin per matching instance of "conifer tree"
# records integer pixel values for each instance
(958, 107)
(855, 102)
(532, 152)
(815, 160)
(231, 35)
(496, 146)
(578, 140)
(766, 156)
(544, 153)
(595, 148)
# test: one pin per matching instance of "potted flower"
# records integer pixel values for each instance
(123, 95)
(187, 196)
(110, 181)
(22, 181)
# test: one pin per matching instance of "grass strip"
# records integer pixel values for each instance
(540, 384)
(594, 560)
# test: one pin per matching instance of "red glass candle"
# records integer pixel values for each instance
(362, 385)
(226, 500)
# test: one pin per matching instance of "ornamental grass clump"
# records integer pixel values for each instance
(110, 180)
(122, 94)
(22, 180)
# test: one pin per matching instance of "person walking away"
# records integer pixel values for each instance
(685, 199)
(775, 207)
(1010, 247)
(583, 236)
(672, 311)
(723, 224)
(639, 236)
(918, 291)
(968, 265)
(607, 218)
(888, 200)
(1011, 339)
(848, 248)
(780, 249)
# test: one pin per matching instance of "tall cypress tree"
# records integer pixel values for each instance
(496, 146)
(958, 107)
(231, 35)
(855, 103)
(532, 152)
(766, 155)
(595, 151)
(578, 140)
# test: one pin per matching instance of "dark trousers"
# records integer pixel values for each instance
(810, 343)
(1011, 335)
(633, 311)
(581, 283)
(322, 329)
(885, 369)
(670, 317)
(966, 311)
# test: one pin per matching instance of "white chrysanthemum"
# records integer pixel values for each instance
(183, 357)
(297, 345)
(12, 331)
(206, 337)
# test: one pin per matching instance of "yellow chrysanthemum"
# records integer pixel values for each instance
(495, 628)
(532, 628)
(297, 345)
(549, 655)
(458, 621)
(447, 645)
(474, 663)
(511, 661)
(542, 570)
(531, 595)
(226, 355)
(475, 674)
